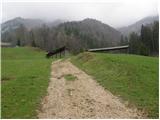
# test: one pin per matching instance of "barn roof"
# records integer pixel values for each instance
(109, 48)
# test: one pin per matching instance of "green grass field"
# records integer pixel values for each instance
(25, 75)
(134, 78)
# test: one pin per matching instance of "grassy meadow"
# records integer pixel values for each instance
(131, 77)
(25, 75)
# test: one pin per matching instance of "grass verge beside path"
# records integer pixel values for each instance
(134, 78)
(25, 76)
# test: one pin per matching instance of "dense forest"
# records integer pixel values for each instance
(147, 43)
(79, 36)
(76, 36)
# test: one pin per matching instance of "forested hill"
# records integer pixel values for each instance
(76, 35)
(88, 33)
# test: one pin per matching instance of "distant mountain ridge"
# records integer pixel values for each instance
(137, 25)
(76, 35)
(16, 22)
(28, 23)
(90, 33)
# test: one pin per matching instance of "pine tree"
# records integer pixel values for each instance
(33, 44)
(18, 42)
(146, 38)
(155, 33)
(134, 43)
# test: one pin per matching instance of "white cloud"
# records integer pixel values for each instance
(113, 13)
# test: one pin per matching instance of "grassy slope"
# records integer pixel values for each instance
(134, 78)
(25, 76)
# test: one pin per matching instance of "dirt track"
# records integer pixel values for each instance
(81, 98)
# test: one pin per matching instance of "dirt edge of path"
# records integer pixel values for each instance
(80, 98)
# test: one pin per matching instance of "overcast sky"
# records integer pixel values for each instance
(116, 14)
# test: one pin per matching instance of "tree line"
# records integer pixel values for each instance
(78, 37)
(146, 43)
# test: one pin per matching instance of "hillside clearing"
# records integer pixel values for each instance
(131, 77)
(25, 77)
(80, 98)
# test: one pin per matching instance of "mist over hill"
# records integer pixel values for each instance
(16, 22)
(136, 27)
(28, 23)
(90, 33)
(77, 35)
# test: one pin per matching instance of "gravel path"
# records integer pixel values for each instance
(81, 98)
